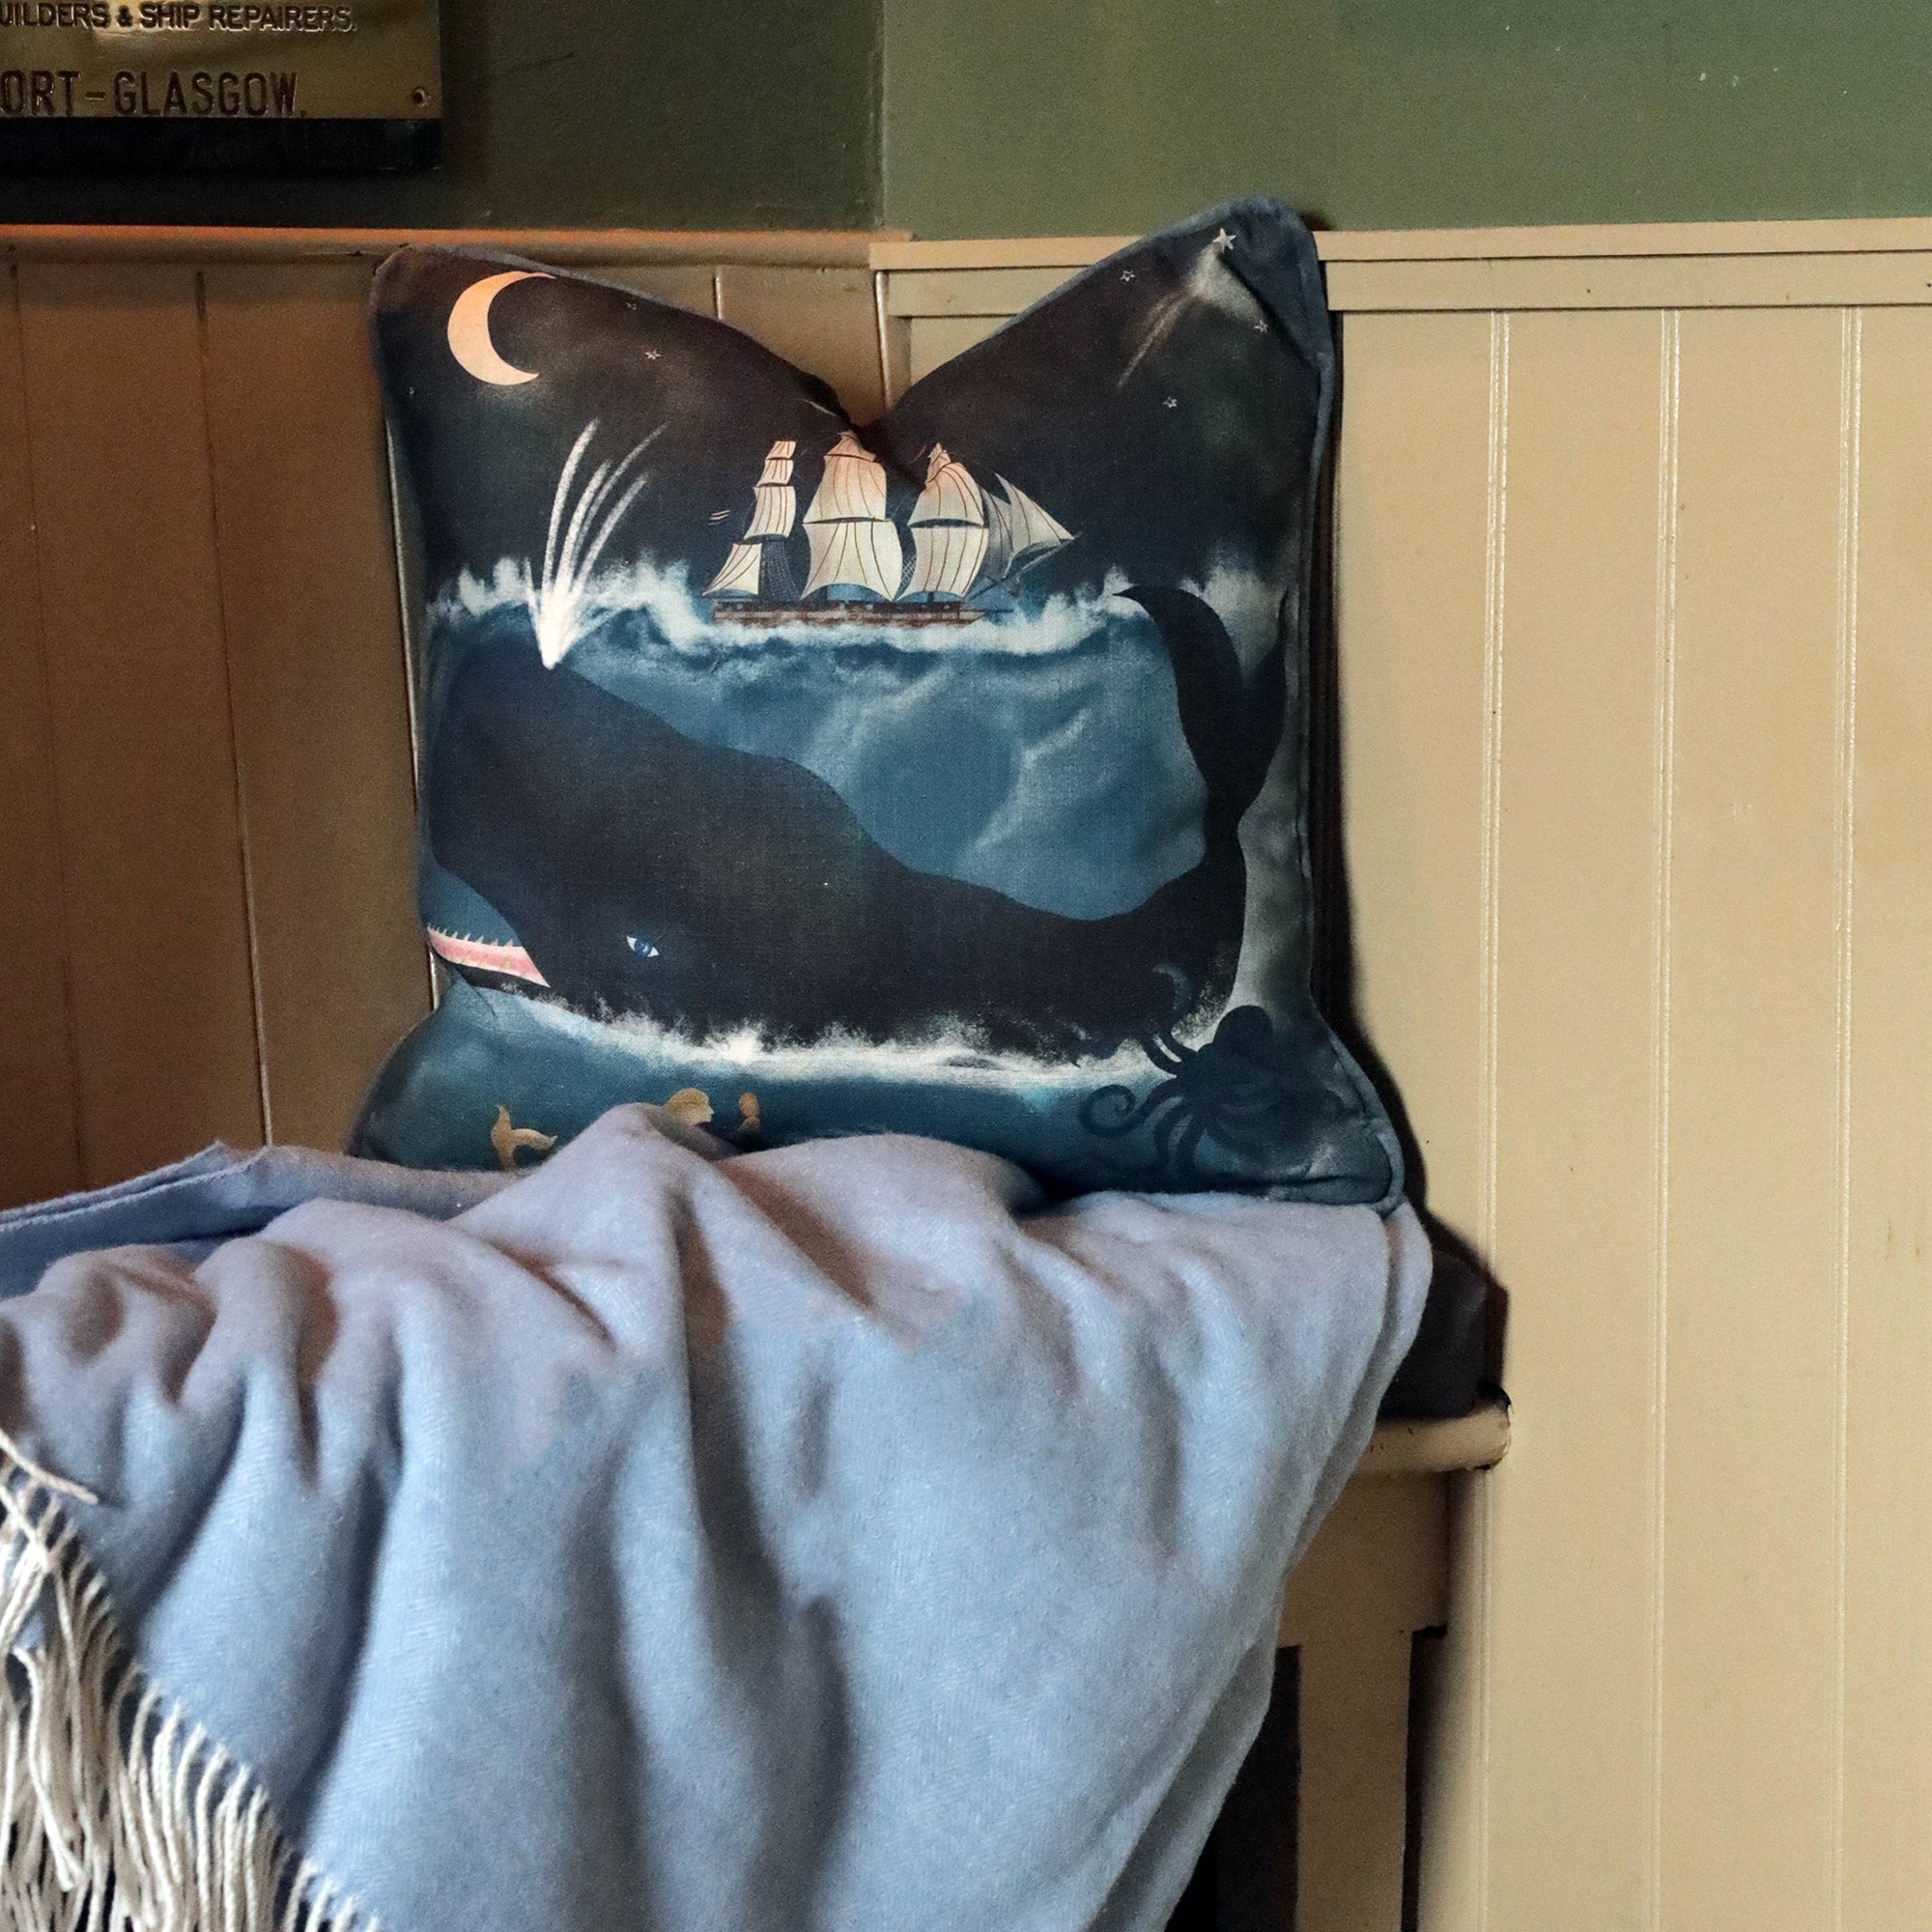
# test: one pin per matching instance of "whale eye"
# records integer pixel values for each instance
(642, 948)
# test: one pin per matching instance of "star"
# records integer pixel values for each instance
(1169, 402)
(650, 355)
(1262, 327)
(1127, 274)
(1222, 243)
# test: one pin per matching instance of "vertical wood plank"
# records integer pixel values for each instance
(1413, 593)
(1570, 1605)
(823, 319)
(316, 672)
(40, 1143)
(158, 930)
(1886, 1858)
(1749, 1535)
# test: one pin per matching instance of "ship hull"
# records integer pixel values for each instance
(771, 617)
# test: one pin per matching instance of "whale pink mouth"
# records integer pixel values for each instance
(483, 956)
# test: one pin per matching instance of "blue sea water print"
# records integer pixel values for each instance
(941, 775)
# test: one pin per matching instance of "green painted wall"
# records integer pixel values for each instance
(584, 113)
(1042, 116)
(1112, 116)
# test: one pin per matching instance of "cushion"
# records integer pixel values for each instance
(946, 775)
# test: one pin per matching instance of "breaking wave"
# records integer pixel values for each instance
(661, 594)
(952, 1054)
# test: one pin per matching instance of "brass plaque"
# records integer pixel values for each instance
(216, 62)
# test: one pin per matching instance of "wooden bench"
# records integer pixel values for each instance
(1375, 1577)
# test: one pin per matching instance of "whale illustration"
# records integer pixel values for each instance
(646, 872)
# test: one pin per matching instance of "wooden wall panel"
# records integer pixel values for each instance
(40, 1137)
(1748, 1632)
(209, 795)
(825, 319)
(959, 291)
(144, 778)
(693, 286)
(1419, 487)
(934, 339)
(309, 598)
(1414, 506)
(1886, 1861)
(1583, 637)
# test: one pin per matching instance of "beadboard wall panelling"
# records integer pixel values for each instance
(1754, 1024)
(693, 286)
(1885, 1862)
(938, 338)
(824, 319)
(159, 970)
(204, 753)
(1635, 590)
(1414, 592)
(40, 1128)
(1415, 605)
(1583, 638)
(310, 614)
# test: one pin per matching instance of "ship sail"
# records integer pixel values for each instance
(755, 564)
(1032, 532)
(776, 503)
(950, 531)
(999, 536)
(853, 543)
(739, 576)
(967, 539)
(1018, 531)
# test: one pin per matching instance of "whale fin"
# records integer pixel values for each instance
(1264, 714)
(1232, 724)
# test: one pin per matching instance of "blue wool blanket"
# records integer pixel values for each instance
(834, 1537)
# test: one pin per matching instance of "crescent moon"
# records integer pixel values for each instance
(470, 330)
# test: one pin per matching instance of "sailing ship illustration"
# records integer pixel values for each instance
(968, 542)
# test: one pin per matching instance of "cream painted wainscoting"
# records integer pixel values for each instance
(206, 801)
(1635, 601)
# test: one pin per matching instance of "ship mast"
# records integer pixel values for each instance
(755, 565)
(854, 546)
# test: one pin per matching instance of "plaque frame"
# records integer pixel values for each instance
(265, 86)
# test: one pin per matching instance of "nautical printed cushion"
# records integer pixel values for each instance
(941, 775)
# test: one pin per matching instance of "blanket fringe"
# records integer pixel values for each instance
(118, 1815)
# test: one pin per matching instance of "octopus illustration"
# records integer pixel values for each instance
(1232, 1091)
